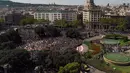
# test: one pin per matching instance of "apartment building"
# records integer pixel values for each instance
(52, 15)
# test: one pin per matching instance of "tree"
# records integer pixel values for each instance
(19, 59)
(109, 21)
(121, 24)
(64, 56)
(73, 67)
(27, 20)
(105, 21)
(52, 31)
(10, 39)
(40, 31)
(7, 45)
(14, 36)
(61, 23)
(54, 58)
(38, 57)
(75, 23)
(1, 20)
(42, 21)
(72, 33)
(3, 38)
(48, 31)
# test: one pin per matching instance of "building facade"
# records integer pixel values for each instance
(54, 15)
(2, 17)
(91, 14)
(13, 18)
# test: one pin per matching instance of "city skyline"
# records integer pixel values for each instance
(73, 2)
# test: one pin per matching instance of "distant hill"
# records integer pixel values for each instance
(4, 0)
(5, 3)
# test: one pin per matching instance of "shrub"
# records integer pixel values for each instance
(19, 59)
(10, 39)
(116, 36)
(70, 68)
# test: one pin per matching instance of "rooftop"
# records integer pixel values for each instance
(56, 11)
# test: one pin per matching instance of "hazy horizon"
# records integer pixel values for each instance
(72, 2)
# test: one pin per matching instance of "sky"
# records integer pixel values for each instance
(74, 2)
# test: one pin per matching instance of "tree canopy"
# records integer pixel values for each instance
(40, 21)
(108, 21)
(28, 20)
(19, 59)
(61, 23)
(65, 23)
(72, 33)
(48, 31)
(119, 22)
(10, 39)
(40, 31)
(55, 58)
(75, 23)
(70, 68)
(1, 20)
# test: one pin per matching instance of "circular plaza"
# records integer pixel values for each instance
(117, 58)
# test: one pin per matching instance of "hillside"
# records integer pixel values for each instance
(4, 3)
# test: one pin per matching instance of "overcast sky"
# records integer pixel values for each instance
(73, 2)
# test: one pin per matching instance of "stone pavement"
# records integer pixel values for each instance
(94, 70)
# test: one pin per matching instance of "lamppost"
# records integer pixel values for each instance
(38, 69)
(7, 68)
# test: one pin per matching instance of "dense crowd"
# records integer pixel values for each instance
(50, 43)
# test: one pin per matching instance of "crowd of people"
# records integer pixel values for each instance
(58, 42)
(51, 43)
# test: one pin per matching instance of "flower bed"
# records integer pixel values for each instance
(96, 49)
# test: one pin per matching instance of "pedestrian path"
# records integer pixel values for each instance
(95, 38)
(94, 70)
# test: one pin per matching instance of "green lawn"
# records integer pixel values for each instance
(117, 57)
(108, 69)
(110, 41)
(123, 69)
(101, 65)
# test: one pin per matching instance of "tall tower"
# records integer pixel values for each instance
(91, 14)
(89, 4)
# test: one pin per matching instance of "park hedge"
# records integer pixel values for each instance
(116, 36)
